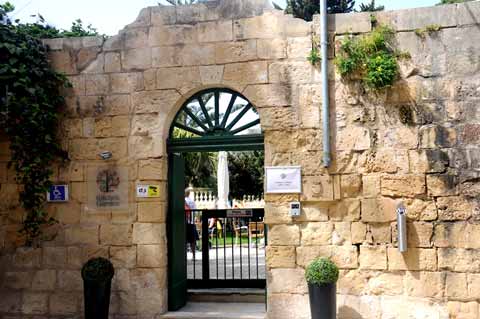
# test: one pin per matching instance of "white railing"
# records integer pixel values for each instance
(206, 198)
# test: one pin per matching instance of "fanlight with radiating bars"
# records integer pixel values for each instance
(216, 112)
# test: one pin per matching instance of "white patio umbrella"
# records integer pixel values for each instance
(223, 183)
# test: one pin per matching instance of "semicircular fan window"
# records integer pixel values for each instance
(216, 112)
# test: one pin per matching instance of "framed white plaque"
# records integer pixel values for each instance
(283, 179)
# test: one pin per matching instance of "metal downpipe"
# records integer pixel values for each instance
(325, 93)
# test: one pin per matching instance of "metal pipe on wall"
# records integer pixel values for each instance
(325, 92)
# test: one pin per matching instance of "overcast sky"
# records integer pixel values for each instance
(110, 16)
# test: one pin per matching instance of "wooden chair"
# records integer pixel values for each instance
(256, 230)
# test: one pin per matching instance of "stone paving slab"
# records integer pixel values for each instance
(210, 310)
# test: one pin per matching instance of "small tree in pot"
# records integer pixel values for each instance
(97, 276)
(322, 276)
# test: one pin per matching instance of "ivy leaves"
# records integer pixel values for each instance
(30, 102)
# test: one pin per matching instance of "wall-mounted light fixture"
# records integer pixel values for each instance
(402, 228)
(105, 155)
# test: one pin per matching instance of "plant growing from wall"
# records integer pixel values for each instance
(314, 57)
(371, 58)
(30, 100)
(427, 30)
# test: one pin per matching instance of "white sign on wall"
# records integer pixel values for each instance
(283, 179)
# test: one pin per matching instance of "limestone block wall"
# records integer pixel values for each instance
(127, 89)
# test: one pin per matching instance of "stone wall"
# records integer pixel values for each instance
(126, 90)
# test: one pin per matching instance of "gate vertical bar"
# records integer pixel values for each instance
(205, 248)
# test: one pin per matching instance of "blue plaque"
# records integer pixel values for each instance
(57, 193)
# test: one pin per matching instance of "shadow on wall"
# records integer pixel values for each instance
(345, 312)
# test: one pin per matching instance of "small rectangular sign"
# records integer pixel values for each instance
(283, 179)
(57, 193)
(146, 191)
(239, 213)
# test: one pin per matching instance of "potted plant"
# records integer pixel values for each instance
(97, 276)
(322, 276)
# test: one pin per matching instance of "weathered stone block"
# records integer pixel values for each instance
(459, 260)
(418, 209)
(314, 212)
(216, 31)
(315, 234)
(442, 185)
(466, 310)
(268, 95)
(280, 256)
(195, 54)
(373, 257)
(371, 186)
(63, 61)
(418, 18)
(342, 233)
(287, 306)
(346, 257)
(284, 235)
(454, 208)
(354, 138)
(239, 51)
(151, 256)
(403, 185)
(412, 259)
(277, 214)
(116, 234)
(350, 185)
(292, 72)
(151, 212)
(123, 257)
(211, 74)
(318, 188)
(55, 257)
(126, 82)
(168, 35)
(359, 232)
(151, 301)
(456, 286)
(97, 84)
(420, 234)
(183, 78)
(112, 62)
(154, 101)
(267, 26)
(379, 233)
(385, 284)
(291, 281)
(136, 59)
(17, 280)
(248, 73)
(458, 235)
(424, 284)
(378, 210)
(34, 303)
(148, 233)
(434, 136)
(64, 303)
(272, 49)
(81, 235)
(69, 280)
(26, 257)
(348, 23)
(44, 280)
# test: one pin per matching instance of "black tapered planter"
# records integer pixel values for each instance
(97, 277)
(323, 301)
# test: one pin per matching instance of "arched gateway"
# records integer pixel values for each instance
(212, 120)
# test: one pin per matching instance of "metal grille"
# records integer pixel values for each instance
(229, 250)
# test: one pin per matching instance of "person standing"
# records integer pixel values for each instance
(191, 230)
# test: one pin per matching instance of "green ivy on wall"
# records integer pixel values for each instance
(371, 58)
(30, 102)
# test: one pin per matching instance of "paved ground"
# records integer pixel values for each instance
(210, 310)
(250, 263)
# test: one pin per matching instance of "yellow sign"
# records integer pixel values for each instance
(148, 191)
(153, 191)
